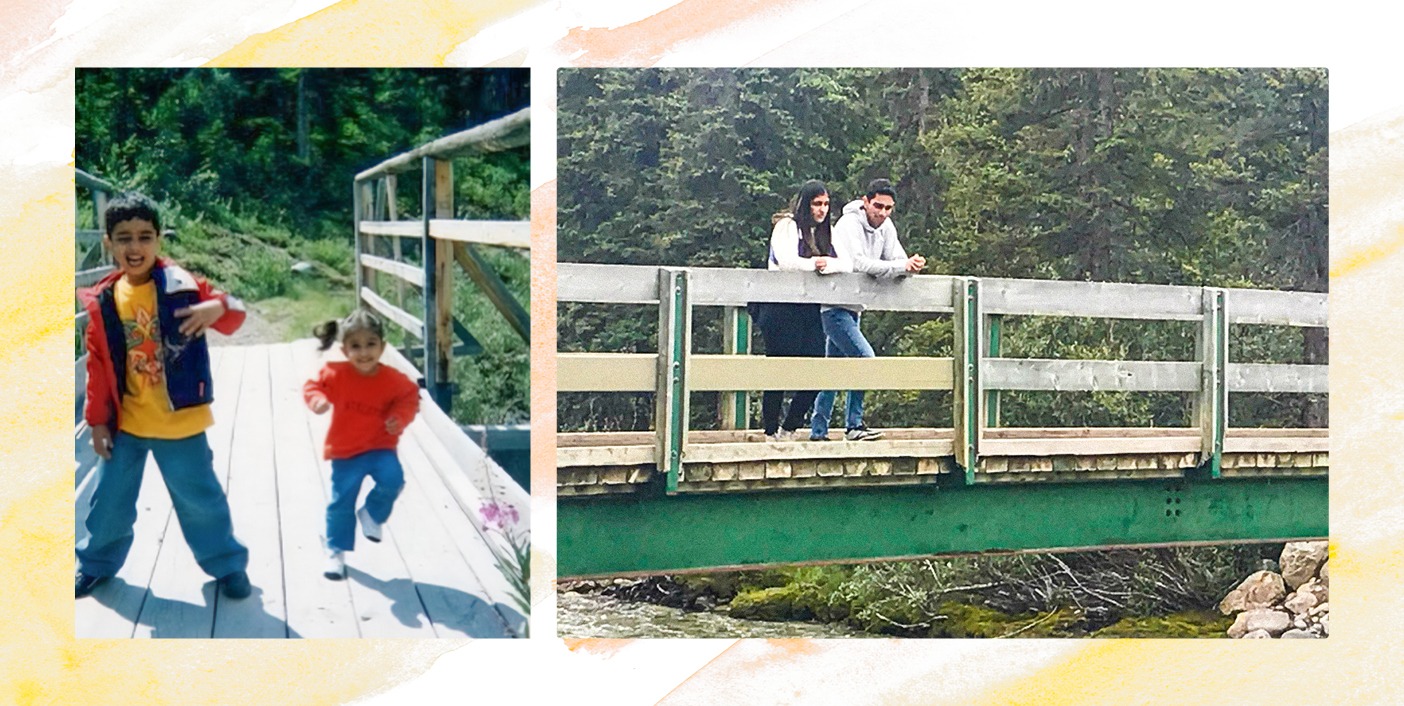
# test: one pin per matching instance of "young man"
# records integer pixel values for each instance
(865, 240)
(148, 391)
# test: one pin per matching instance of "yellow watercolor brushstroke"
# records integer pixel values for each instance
(1368, 255)
(372, 33)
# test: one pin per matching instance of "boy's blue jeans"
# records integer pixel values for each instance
(187, 466)
(383, 466)
(845, 340)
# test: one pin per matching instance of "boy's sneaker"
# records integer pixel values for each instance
(336, 565)
(369, 527)
(236, 585)
(83, 584)
(780, 436)
(862, 433)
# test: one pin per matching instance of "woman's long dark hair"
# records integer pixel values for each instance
(815, 238)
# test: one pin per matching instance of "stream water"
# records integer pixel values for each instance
(591, 615)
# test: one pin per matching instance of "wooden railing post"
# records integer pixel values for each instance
(670, 397)
(994, 330)
(356, 249)
(392, 213)
(1211, 405)
(736, 340)
(438, 283)
(967, 322)
(367, 213)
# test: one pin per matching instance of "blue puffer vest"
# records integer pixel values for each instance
(186, 360)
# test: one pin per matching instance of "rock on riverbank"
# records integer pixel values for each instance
(1292, 603)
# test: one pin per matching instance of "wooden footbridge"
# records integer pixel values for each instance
(672, 499)
(438, 571)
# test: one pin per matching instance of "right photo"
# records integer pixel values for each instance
(942, 352)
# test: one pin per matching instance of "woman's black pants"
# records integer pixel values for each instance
(790, 330)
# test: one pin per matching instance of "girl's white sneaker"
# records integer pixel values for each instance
(336, 565)
(369, 527)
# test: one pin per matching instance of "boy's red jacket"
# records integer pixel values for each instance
(361, 404)
(187, 365)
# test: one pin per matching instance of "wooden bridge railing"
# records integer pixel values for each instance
(976, 374)
(443, 240)
(92, 265)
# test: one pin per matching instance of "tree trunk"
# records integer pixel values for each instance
(302, 149)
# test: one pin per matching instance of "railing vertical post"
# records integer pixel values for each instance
(443, 284)
(995, 328)
(367, 208)
(100, 203)
(392, 213)
(438, 284)
(674, 348)
(426, 256)
(967, 323)
(1211, 405)
(356, 239)
(736, 340)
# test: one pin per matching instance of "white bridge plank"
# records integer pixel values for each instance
(380, 584)
(253, 505)
(181, 601)
(1105, 375)
(316, 607)
(1264, 377)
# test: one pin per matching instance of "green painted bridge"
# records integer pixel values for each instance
(673, 499)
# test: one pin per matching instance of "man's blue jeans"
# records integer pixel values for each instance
(845, 340)
(187, 466)
(383, 466)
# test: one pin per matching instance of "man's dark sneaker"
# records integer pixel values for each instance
(84, 584)
(236, 585)
(818, 438)
(862, 434)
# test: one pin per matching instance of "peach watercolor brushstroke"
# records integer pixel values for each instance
(648, 32)
(543, 405)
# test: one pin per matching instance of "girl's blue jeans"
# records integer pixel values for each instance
(383, 466)
(844, 340)
(187, 466)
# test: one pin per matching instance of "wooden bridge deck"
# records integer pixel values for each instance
(432, 576)
(623, 462)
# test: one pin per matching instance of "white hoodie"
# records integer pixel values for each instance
(863, 248)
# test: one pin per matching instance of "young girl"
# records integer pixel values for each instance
(374, 403)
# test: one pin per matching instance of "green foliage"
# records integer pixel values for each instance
(335, 253)
(266, 273)
(1152, 592)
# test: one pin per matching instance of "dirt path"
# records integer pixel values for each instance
(256, 329)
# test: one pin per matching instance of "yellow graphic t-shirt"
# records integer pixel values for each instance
(146, 408)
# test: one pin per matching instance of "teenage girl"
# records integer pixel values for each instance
(372, 405)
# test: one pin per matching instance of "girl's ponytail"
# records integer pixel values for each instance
(325, 333)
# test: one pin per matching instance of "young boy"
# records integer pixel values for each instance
(149, 391)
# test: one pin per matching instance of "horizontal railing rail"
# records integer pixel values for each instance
(976, 374)
(444, 240)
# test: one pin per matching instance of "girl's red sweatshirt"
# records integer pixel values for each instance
(361, 404)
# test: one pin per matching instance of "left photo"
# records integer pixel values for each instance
(301, 353)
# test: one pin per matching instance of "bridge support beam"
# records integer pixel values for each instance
(653, 533)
